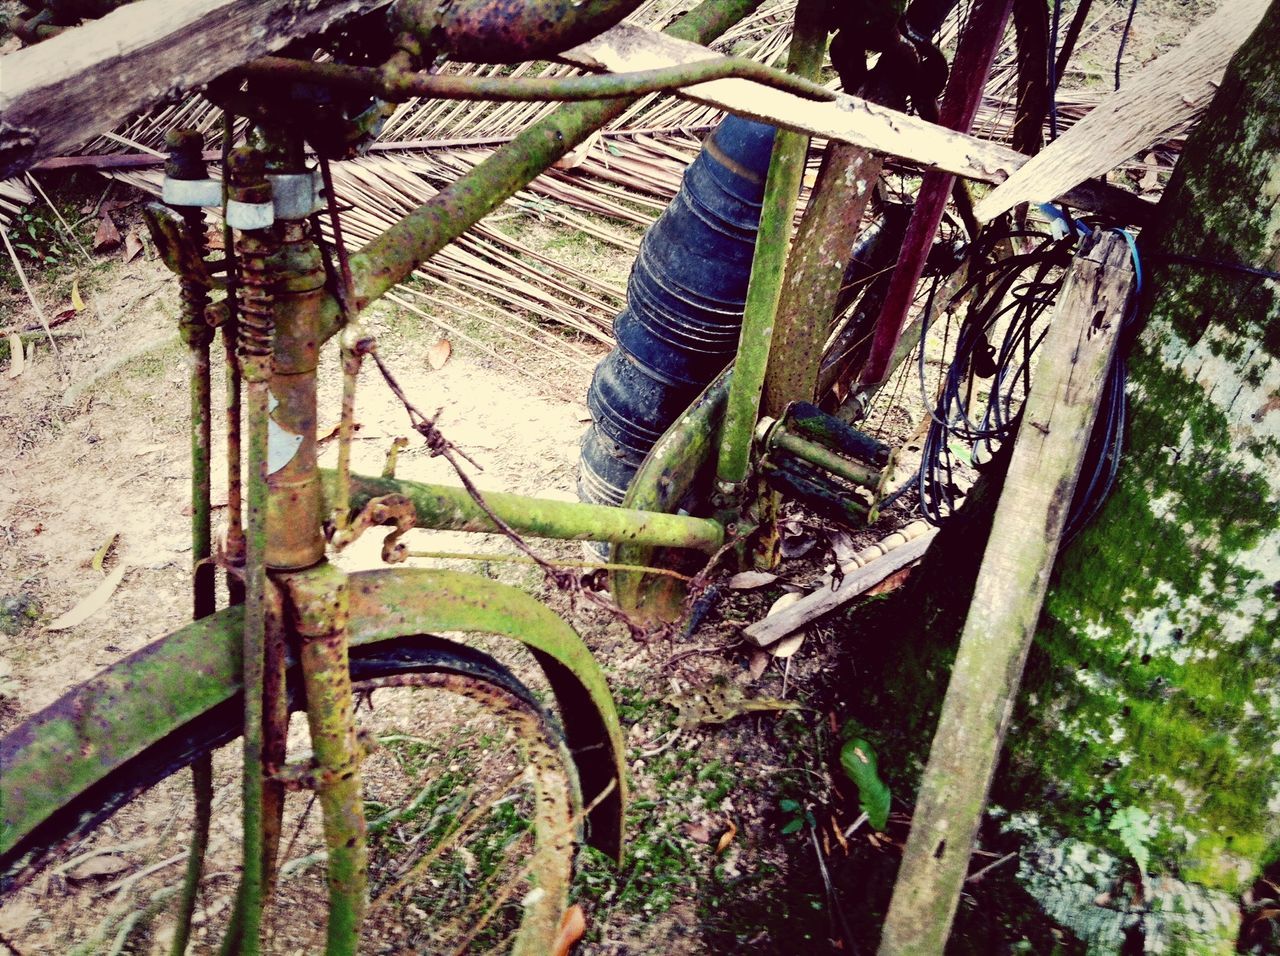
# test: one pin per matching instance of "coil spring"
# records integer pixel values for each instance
(193, 291)
(257, 322)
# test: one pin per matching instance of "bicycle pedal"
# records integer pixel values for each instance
(821, 461)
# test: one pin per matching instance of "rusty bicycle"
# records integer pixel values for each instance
(299, 634)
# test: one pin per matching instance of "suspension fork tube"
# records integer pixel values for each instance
(185, 162)
(782, 188)
(235, 543)
(318, 595)
(256, 322)
(294, 495)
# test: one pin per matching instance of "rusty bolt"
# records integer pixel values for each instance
(246, 172)
(185, 154)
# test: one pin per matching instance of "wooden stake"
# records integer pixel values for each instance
(1171, 90)
(1056, 424)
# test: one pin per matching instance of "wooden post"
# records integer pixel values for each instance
(1056, 424)
(823, 244)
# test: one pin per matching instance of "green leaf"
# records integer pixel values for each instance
(859, 762)
(789, 806)
(792, 826)
(1134, 827)
(960, 451)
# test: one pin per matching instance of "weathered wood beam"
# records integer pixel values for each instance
(1056, 423)
(59, 93)
(848, 119)
(1164, 94)
(833, 592)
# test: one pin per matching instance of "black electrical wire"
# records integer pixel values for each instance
(1013, 292)
(1016, 292)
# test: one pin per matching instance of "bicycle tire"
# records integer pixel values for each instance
(373, 666)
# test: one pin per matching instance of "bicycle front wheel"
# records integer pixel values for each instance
(471, 795)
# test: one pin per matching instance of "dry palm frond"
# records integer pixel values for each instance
(14, 197)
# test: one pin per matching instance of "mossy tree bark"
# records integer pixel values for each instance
(1143, 766)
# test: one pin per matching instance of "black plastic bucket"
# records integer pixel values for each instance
(689, 282)
(630, 405)
(684, 307)
(606, 468)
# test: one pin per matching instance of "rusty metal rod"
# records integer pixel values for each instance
(256, 249)
(185, 162)
(782, 189)
(979, 43)
(448, 507)
(398, 86)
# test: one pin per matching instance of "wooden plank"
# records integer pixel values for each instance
(1160, 97)
(59, 93)
(1056, 424)
(848, 119)
(831, 594)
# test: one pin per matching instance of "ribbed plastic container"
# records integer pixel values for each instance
(684, 307)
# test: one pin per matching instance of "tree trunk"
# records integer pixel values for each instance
(1143, 769)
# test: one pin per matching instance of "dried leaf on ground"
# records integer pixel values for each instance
(98, 868)
(788, 646)
(92, 604)
(578, 155)
(77, 303)
(101, 554)
(132, 246)
(891, 583)
(720, 703)
(572, 926)
(746, 580)
(798, 545)
(842, 547)
(439, 353)
(17, 358)
(107, 236)
(791, 643)
(840, 838)
(756, 667)
(698, 832)
(726, 838)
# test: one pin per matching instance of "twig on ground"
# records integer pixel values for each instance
(31, 296)
(833, 899)
(31, 177)
(975, 877)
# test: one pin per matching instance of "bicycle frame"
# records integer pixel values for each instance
(297, 607)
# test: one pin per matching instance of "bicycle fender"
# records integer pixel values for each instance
(391, 602)
(59, 753)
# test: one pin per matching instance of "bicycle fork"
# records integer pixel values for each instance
(289, 588)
